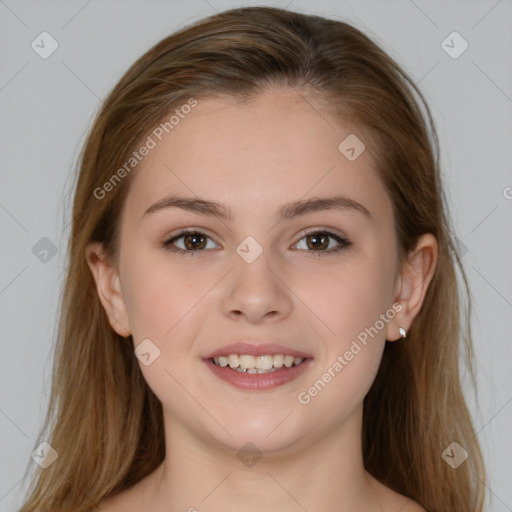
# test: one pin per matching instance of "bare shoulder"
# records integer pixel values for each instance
(133, 499)
(399, 503)
(393, 501)
(125, 501)
(111, 504)
(412, 506)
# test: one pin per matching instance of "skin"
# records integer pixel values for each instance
(255, 157)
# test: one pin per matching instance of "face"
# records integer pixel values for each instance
(318, 281)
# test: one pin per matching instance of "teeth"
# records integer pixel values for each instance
(278, 360)
(257, 364)
(234, 361)
(255, 370)
(264, 362)
(247, 362)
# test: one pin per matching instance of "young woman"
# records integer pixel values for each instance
(261, 308)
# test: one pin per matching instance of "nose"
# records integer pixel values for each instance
(257, 291)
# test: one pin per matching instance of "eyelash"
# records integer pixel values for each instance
(344, 242)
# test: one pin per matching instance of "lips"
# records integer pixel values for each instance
(249, 381)
(260, 349)
(258, 382)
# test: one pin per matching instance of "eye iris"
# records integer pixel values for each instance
(318, 236)
(187, 238)
(195, 241)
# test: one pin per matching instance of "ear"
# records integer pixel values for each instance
(109, 288)
(412, 284)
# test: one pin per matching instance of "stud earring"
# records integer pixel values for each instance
(402, 332)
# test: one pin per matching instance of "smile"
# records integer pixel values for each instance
(257, 372)
(265, 362)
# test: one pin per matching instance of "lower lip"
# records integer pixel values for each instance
(258, 381)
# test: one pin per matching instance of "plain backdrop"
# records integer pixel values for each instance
(46, 106)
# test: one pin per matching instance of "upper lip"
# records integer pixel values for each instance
(256, 349)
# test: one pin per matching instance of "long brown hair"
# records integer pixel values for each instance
(104, 421)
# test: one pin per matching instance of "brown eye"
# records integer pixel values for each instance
(319, 242)
(193, 242)
(189, 242)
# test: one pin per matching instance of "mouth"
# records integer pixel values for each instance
(258, 371)
(266, 363)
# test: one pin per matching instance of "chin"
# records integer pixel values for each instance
(266, 433)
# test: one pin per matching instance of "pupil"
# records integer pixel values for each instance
(317, 238)
(318, 241)
(192, 245)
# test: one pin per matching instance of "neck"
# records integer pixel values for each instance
(327, 474)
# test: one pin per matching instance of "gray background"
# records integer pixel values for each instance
(46, 105)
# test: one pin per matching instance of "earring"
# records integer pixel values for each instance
(402, 332)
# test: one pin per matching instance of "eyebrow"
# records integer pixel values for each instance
(288, 211)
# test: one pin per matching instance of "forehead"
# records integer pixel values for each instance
(278, 147)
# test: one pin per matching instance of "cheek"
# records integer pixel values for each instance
(351, 306)
(348, 298)
(162, 301)
(352, 303)
(159, 295)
